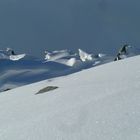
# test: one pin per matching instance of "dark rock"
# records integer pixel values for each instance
(46, 89)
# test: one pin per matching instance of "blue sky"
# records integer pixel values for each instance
(32, 26)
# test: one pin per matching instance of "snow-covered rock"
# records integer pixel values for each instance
(69, 62)
(17, 57)
(65, 57)
(5, 54)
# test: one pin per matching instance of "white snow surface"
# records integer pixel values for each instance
(100, 103)
(84, 55)
(65, 57)
(69, 58)
(54, 55)
(21, 69)
(17, 57)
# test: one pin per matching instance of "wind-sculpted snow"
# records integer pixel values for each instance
(54, 55)
(20, 69)
(101, 103)
(8, 56)
(81, 58)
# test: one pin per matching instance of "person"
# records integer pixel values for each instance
(122, 51)
(118, 57)
(10, 51)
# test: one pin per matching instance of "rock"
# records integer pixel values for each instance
(46, 89)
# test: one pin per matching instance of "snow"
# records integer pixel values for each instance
(100, 103)
(54, 55)
(17, 57)
(5, 54)
(84, 55)
(22, 69)
(69, 62)
(24, 72)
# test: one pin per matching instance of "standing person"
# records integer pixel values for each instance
(122, 51)
(10, 51)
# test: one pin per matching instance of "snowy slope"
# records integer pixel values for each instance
(101, 103)
(21, 69)
(17, 73)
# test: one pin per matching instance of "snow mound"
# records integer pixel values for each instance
(17, 57)
(69, 62)
(54, 55)
(65, 57)
(84, 56)
(77, 60)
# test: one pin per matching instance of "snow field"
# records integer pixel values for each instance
(100, 103)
